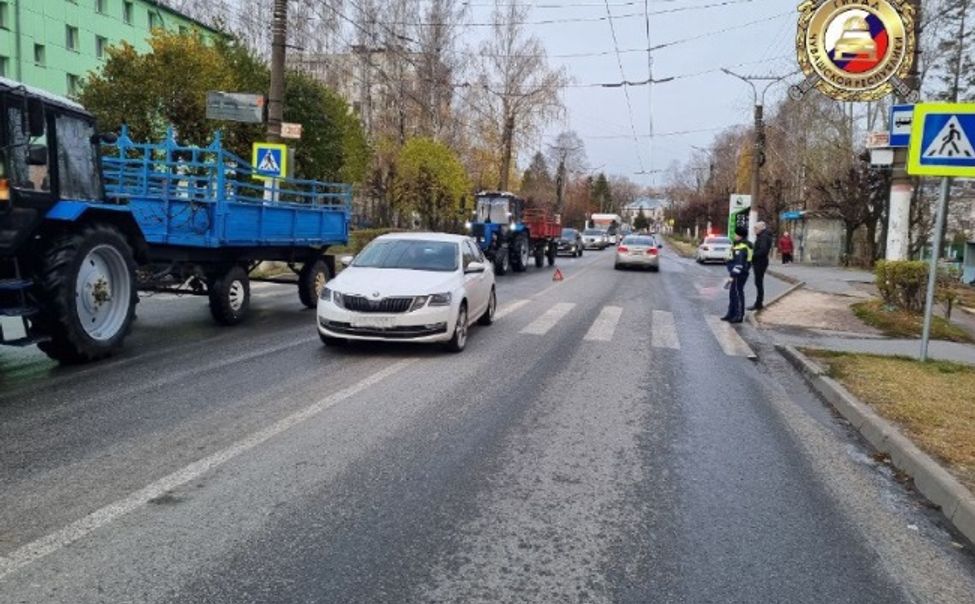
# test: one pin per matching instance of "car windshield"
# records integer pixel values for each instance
(568, 233)
(409, 254)
(493, 209)
(594, 232)
(639, 241)
(718, 240)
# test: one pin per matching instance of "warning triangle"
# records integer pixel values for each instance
(558, 275)
(951, 143)
(269, 163)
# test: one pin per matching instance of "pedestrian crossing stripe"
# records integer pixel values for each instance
(942, 140)
(270, 160)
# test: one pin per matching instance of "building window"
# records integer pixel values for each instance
(39, 54)
(4, 67)
(4, 15)
(100, 6)
(73, 84)
(127, 12)
(153, 20)
(101, 43)
(71, 37)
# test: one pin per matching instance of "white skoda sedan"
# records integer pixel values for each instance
(413, 287)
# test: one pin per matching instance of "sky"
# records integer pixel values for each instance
(698, 106)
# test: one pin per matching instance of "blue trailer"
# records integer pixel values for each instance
(88, 219)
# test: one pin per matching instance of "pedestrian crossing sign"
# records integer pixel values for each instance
(270, 160)
(943, 140)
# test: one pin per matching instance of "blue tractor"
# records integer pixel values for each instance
(511, 235)
(87, 220)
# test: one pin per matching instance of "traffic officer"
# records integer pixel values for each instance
(738, 267)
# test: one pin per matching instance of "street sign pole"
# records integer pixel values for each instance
(933, 269)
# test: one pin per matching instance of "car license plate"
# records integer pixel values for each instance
(721, 249)
(373, 322)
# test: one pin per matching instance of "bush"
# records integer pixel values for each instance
(902, 283)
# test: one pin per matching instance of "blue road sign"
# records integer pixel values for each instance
(942, 140)
(901, 118)
(270, 160)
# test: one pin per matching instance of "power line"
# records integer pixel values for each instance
(626, 90)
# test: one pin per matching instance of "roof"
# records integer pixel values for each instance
(48, 97)
(445, 237)
(158, 5)
(646, 203)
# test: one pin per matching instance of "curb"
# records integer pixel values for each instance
(784, 277)
(751, 317)
(957, 503)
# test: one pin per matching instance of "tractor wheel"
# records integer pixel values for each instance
(88, 290)
(521, 255)
(230, 295)
(502, 262)
(553, 251)
(311, 280)
(540, 256)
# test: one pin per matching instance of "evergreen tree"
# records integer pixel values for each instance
(640, 222)
(602, 196)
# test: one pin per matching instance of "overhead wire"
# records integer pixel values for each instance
(626, 91)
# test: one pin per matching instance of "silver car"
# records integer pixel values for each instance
(595, 239)
(639, 251)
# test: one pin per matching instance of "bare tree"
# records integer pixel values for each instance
(567, 154)
(516, 90)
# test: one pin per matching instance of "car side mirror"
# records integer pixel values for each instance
(475, 267)
(37, 155)
(346, 260)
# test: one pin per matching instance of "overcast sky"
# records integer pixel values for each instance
(709, 101)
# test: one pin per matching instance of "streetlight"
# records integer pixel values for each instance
(758, 153)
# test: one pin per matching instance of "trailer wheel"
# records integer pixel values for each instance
(311, 280)
(230, 295)
(540, 256)
(88, 293)
(521, 255)
(553, 251)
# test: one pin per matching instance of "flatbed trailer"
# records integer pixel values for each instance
(87, 220)
(510, 235)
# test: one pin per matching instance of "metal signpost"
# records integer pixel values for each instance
(236, 107)
(942, 144)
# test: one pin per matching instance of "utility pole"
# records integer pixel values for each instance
(901, 184)
(758, 150)
(279, 39)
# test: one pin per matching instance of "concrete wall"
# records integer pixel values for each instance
(823, 241)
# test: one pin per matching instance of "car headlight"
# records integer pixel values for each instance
(418, 303)
(325, 294)
(335, 297)
(440, 299)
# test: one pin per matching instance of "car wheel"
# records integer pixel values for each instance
(458, 341)
(488, 317)
(618, 266)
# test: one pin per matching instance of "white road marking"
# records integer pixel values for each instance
(664, 331)
(731, 343)
(35, 550)
(509, 308)
(544, 323)
(604, 326)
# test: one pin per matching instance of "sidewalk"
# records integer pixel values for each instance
(856, 283)
(940, 350)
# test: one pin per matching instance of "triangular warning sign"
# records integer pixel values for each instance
(268, 163)
(558, 275)
(951, 143)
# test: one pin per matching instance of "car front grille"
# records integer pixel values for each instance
(384, 305)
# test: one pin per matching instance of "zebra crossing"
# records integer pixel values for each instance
(663, 327)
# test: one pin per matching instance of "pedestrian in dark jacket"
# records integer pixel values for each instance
(738, 267)
(760, 258)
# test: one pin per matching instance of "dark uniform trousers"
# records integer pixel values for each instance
(760, 265)
(736, 297)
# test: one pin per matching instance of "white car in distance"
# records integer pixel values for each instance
(714, 249)
(410, 287)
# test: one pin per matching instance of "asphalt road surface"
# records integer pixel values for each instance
(607, 440)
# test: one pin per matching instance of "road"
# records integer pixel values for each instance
(607, 440)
